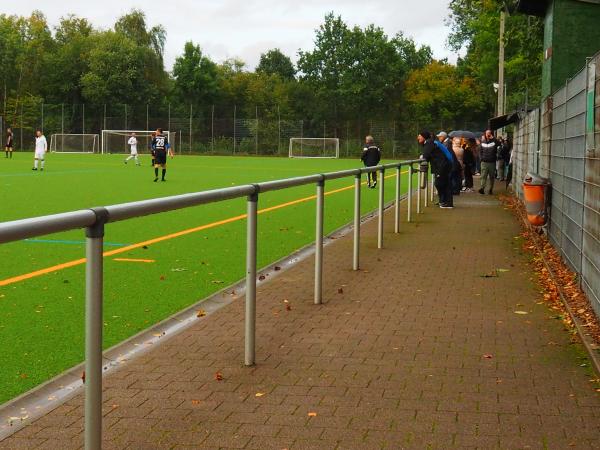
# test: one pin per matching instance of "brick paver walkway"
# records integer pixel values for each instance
(417, 350)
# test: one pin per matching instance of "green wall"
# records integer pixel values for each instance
(572, 30)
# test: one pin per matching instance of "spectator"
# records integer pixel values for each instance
(440, 159)
(469, 164)
(489, 149)
(501, 159)
(371, 156)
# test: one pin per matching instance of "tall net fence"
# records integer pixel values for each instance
(217, 130)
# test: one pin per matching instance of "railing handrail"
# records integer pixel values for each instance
(15, 230)
(94, 220)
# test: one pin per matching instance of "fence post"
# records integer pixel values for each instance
(234, 114)
(191, 112)
(42, 117)
(278, 130)
(381, 201)
(93, 331)
(212, 129)
(169, 119)
(319, 243)
(356, 252)
(147, 121)
(125, 116)
(62, 127)
(409, 194)
(250, 331)
(103, 120)
(256, 132)
(397, 200)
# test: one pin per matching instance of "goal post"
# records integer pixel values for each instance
(74, 143)
(314, 148)
(115, 141)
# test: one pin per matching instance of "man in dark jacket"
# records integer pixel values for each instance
(371, 156)
(440, 166)
(489, 149)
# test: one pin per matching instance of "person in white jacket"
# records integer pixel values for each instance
(133, 153)
(41, 147)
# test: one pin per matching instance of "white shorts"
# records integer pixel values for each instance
(40, 155)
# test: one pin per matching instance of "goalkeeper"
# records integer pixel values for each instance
(371, 156)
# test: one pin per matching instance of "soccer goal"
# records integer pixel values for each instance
(115, 141)
(314, 148)
(74, 143)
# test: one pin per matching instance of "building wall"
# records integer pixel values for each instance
(572, 31)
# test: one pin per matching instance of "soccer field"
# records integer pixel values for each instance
(42, 315)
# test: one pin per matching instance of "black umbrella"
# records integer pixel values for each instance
(463, 134)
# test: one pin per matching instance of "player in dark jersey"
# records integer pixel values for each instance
(9, 143)
(161, 147)
(371, 156)
(151, 146)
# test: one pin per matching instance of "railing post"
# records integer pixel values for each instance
(409, 194)
(426, 181)
(419, 184)
(381, 202)
(319, 242)
(432, 191)
(250, 328)
(397, 200)
(356, 253)
(93, 331)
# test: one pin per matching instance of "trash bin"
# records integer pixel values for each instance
(536, 190)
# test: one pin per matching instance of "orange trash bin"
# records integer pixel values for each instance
(536, 195)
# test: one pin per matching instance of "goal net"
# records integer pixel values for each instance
(115, 141)
(314, 148)
(74, 143)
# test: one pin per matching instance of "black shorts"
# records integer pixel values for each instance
(160, 158)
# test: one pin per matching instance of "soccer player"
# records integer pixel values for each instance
(151, 146)
(9, 142)
(132, 142)
(371, 156)
(161, 147)
(41, 147)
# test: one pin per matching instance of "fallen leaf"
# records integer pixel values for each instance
(277, 268)
(492, 274)
(23, 376)
(503, 270)
(259, 394)
(581, 311)
(288, 307)
(178, 269)
(487, 356)
(195, 402)
(162, 277)
(312, 414)
(340, 290)
(521, 312)
(200, 313)
(83, 376)
(218, 376)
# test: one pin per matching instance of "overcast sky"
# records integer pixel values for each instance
(247, 28)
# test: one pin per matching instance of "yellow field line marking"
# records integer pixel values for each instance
(134, 260)
(166, 237)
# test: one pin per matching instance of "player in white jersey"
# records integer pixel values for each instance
(41, 147)
(132, 142)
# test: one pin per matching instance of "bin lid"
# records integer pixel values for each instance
(534, 179)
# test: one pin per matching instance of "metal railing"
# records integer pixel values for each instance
(94, 221)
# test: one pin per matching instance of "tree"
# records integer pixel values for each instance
(475, 27)
(359, 72)
(117, 72)
(195, 77)
(438, 96)
(274, 62)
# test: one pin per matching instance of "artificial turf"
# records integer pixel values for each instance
(42, 318)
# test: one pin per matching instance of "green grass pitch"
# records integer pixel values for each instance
(42, 318)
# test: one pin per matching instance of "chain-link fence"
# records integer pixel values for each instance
(561, 141)
(215, 130)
